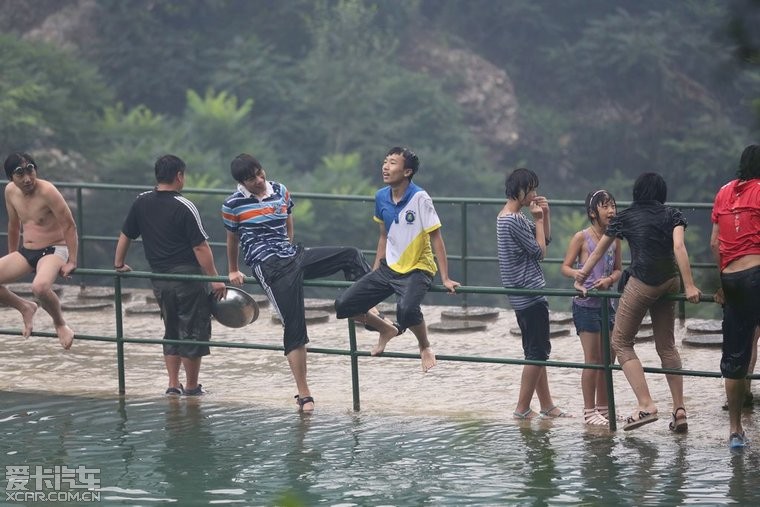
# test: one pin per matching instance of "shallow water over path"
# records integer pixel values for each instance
(445, 437)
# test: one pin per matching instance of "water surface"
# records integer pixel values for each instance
(442, 438)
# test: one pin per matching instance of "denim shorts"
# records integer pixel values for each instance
(588, 319)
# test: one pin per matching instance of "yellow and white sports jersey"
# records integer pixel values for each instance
(408, 225)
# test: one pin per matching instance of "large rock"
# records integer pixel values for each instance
(484, 91)
(70, 27)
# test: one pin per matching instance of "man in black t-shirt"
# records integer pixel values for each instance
(174, 242)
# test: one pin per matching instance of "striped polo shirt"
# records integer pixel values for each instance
(519, 258)
(408, 225)
(260, 224)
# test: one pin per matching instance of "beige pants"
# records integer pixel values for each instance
(637, 298)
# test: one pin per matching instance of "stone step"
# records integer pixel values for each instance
(312, 317)
(469, 313)
(457, 326)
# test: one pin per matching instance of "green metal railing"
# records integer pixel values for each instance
(465, 204)
(353, 352)
(464, 257)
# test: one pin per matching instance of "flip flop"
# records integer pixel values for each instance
(548, 413)
(198, 391)
(644, 418)
(175, 391)
(527, 415)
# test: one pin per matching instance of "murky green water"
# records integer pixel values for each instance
(446, 437)
(199, 452)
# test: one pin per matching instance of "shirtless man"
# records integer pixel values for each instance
(49, 247)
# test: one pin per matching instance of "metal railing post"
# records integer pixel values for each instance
(464, 250)
(80, 230)
(354, 364)
(119, 334)
(608, 363)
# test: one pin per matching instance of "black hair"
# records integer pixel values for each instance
(749, 164)
(244, 166)
(14, 160)
(167, 167)
(411, 160)
(596, 199)
(650, 187)
(520, 180)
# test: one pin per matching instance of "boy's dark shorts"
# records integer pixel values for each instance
(534, 326)
(186, 312)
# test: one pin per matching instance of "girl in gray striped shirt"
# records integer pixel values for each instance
(521, 247)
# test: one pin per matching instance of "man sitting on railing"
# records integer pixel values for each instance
(410, 233)
(49, 247)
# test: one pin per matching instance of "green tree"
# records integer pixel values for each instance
(338, 174)
(48, 98)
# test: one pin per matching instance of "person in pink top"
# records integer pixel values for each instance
(735, 243)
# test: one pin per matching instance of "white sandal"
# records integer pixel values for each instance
(592, 417)
(604, 411)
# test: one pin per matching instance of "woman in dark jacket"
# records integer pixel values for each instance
(655, 235)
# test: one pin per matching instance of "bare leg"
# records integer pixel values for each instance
(528, 382)
(297, 362)
(47, 271)
(601, 383)
(24, 306)
(172, 368)
(192, 366)
(590, 378)
(385, 327)
(634, 372)
(542, 390)
(735, 395)
(675, 383)
(426, 352)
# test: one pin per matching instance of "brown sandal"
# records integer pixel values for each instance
(678, 424)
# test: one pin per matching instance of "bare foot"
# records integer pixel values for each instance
(382, 341)
(428, 358)
(65, 336)
(30, 308)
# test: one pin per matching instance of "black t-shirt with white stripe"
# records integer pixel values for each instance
(170, 226)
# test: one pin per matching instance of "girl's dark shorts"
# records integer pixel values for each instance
(534, 325)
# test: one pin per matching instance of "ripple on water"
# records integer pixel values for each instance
(198, 451)
(446, 437)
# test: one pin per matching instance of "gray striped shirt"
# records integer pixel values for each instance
(519, 258)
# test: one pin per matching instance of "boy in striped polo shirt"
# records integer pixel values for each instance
(258, 220)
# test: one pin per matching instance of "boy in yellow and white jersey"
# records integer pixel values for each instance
(410, 233)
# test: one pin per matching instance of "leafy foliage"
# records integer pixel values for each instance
(319, 90)
(48, 98)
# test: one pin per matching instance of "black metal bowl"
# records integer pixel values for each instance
(237, 309)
